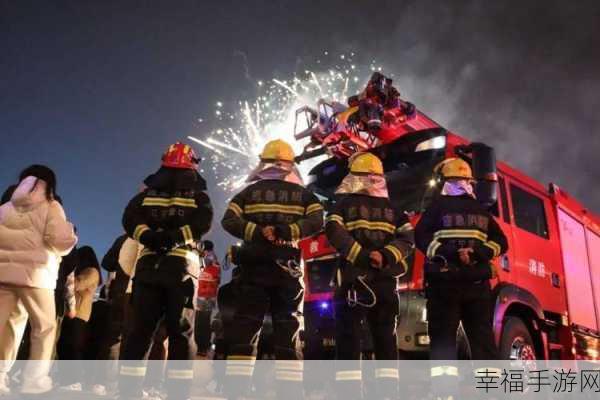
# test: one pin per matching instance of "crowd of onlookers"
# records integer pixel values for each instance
(54, 302)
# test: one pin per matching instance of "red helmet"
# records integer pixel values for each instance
(180, 155)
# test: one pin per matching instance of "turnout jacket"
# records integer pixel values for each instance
(181, 214)
(294, 212)
(359, 224)
(454, 222)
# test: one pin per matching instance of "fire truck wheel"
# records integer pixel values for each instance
(516, 342)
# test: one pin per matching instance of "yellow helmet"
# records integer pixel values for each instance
(454, 168)
(277, 150)
(366, 163)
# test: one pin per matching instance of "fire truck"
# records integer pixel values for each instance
(547, 294)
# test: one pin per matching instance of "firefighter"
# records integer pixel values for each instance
(379, 102)
(373, 240)
(270, 215)
(460, 238)
(167, 218)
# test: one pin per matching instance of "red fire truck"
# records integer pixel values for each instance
(548, 289)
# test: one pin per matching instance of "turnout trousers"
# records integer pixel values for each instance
(447, 306)
(380, 316)
(469, 303)
(261, 290)
(154, 303)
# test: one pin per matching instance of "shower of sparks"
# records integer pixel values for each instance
(226, 146)
(207, 145)
(242, 128)
(316, 82)
(285, 86)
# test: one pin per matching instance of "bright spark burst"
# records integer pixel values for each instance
(243, 128)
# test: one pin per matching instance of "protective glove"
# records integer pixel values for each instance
(465, 256)
(165, 242)
(270, 233)
(482, 253)
(448, 252)
(439, 269)
(150, 240)
(160, 242)
(377, 260)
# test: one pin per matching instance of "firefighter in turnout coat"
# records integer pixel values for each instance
(167, 218)
(460, 238)
(373, 240)
(270, 215)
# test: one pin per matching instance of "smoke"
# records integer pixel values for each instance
(523, 79)
(244, 57)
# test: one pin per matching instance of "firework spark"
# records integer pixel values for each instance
(244, 127)
(285, 86)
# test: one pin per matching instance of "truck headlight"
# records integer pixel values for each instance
(423, 339)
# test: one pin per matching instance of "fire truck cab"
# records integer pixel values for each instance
(548, 288)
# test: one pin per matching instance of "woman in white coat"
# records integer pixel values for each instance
(34, 235)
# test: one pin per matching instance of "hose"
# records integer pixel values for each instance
(291, 267)
(352, 298)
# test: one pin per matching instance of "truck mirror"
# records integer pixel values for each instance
(484, 171)
(486, 193)
(483, 163)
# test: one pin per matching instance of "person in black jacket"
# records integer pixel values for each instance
(270, 215)
(460, 238)
(111, 338)
(167, 218)
(373, 241)
(108, 319)
(73, 342)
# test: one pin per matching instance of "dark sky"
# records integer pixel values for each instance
(97, 90)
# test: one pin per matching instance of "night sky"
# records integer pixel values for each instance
(97, 90)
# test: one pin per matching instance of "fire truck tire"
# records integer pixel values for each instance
(516, 342)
